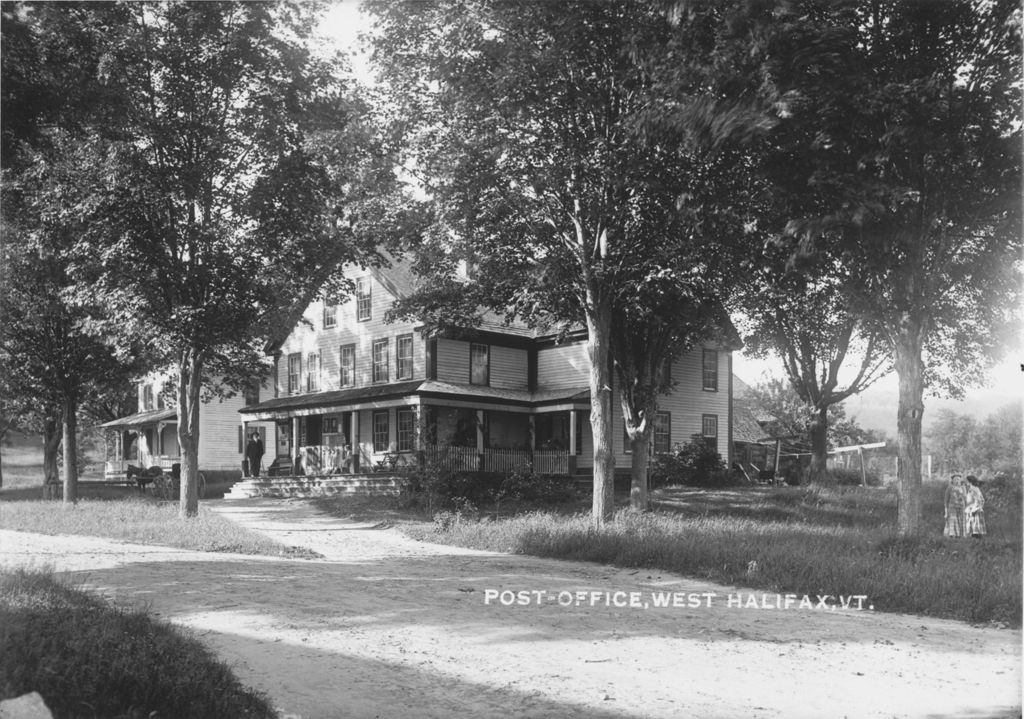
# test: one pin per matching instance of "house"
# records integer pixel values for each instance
(149, 437)
(353, 393)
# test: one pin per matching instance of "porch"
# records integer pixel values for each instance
(333, 460)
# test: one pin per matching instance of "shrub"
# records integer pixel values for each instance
(695, 463)
(851, 477)
(441, 488)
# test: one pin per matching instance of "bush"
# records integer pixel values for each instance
(695, 463)
(440, 488)
(851, 477)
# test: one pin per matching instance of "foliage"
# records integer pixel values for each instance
(695, 463)
(215, 195)
(852, 478)
(791, 416)
(559, 197)
(439, 488)
(960, 443)
(87, 657)
(912, 170)
(801, 314)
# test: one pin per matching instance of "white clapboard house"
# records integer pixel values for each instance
(353, 393)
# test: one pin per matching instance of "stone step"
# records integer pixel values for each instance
(314, 486)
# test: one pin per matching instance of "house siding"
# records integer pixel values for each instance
(453, 361)
(563, 366)
(310, 336)
(509, 367)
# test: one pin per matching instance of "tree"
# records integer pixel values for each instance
(51, 360)
(962, 443)
(802, 315)
(530, 127)
(914, 161)
(228, 185)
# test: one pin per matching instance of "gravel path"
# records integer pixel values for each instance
(384, 626)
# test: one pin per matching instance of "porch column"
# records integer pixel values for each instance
(480, 439)
(355, 442)
(296, 458)
(246, 469)
(572, 432)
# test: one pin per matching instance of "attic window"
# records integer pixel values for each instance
(363, 299)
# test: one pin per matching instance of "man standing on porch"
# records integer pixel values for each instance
(254, 454)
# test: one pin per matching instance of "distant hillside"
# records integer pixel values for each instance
(876, 408)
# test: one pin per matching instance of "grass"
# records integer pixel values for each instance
(89, 658)
(838, 541)
(144, 521)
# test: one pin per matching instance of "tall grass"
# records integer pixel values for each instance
(88, 658)
(143, 521)
(831, 541)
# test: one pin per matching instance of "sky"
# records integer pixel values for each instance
(875, 408)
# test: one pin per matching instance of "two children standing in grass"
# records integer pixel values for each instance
(964, 508)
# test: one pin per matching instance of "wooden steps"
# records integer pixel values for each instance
(316, 486)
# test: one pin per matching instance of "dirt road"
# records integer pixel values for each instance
(384, 626)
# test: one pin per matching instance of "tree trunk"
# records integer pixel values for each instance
(819, 446)
(598, 336)
(910, 371)
(51, 445)
(70, 426)
(639, 498)
(189, 386)
(639, 433)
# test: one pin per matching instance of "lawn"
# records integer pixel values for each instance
(120, 512)
(817, 541)
(89, 658)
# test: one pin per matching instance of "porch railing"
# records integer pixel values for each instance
(322, 459)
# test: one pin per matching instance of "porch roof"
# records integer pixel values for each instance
(334, 398)
(337, 400)
(137, 420)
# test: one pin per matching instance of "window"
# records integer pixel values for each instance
(479, 364)
(330, 314)
(147, 398)
(348, 366)
(380, 361)
(662, 432)
(403, 352)
(380, 431)
(709, 426)
(313, 372)
(710, 371)
(406, 430)
(330, 425)
(363, 299)
(294, 373)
